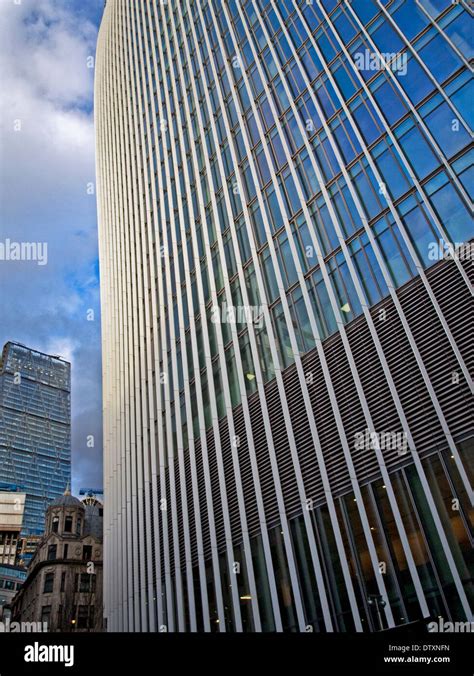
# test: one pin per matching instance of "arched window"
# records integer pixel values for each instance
(55, 523)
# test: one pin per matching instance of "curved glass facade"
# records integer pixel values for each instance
(284, 224)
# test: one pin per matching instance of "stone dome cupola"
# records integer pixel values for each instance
(65, 516)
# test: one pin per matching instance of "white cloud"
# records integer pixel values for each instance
(44, 171)
(46, 86)
(62, 347)
(46, 165)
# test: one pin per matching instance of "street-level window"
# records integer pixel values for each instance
(46, 614)
(83, 617)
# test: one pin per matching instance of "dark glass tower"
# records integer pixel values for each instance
(288, 411)
(35, 428)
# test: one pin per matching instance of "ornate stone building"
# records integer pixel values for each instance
(64, 585)
(12, 509)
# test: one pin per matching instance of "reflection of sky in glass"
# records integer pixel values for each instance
(35, 429)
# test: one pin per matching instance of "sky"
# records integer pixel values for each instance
(47, 195)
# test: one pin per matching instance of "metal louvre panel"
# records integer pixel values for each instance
(328, 434)
(244, 461)
(382, 408)
(414, 397)
(152, 553)
(231, 490)
(422, 418)
(304, 443)
(452, 297)
(215, 489)
(202, 499)
(353, 420)
(248, 487)
(434, 347)
(264, 470)
(169, 520)
(160, 521)
(282, 450)
(191, 514)
(179, 515)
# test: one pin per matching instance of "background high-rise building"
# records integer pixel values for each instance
(35, 428)
(11, 579)
(287, 347)
(12, 575)
(12, 508)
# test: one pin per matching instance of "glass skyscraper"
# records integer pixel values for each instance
(284, 196)
(35, 429)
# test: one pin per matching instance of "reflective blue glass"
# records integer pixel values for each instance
(35, 434)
